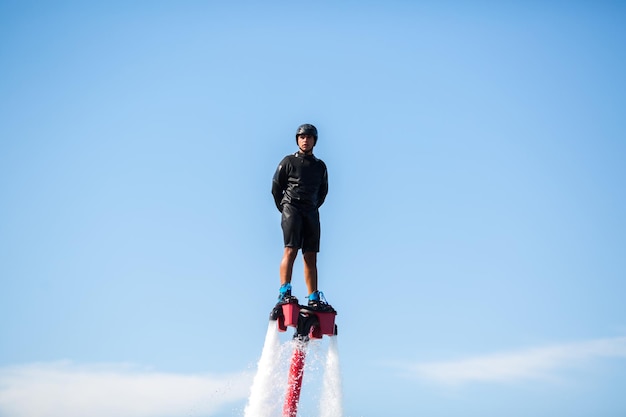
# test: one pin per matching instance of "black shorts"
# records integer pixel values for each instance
(301, 228)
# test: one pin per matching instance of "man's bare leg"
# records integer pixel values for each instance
(286, 264)
(310, 271)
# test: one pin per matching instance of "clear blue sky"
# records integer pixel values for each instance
(474, 235)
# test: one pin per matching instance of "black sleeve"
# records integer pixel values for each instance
(279, 183)
(323, 188)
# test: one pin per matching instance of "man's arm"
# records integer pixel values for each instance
(323, 188)
(279, 184)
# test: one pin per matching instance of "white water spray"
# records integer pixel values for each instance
(331, 404)
(262, 401)
(267, 394)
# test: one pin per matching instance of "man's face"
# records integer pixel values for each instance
(306, 143)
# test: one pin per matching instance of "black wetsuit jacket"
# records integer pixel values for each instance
(300, 180)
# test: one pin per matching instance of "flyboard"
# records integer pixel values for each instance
(309, 323)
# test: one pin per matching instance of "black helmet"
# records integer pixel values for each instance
(306, 129)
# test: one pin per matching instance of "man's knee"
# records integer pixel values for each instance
(310, 257)
(290, 253)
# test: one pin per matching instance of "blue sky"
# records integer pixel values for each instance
(473, 238)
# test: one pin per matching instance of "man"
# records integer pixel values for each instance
(299, 187)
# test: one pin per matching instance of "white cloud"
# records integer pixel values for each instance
(62, 389)
(536, 363)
